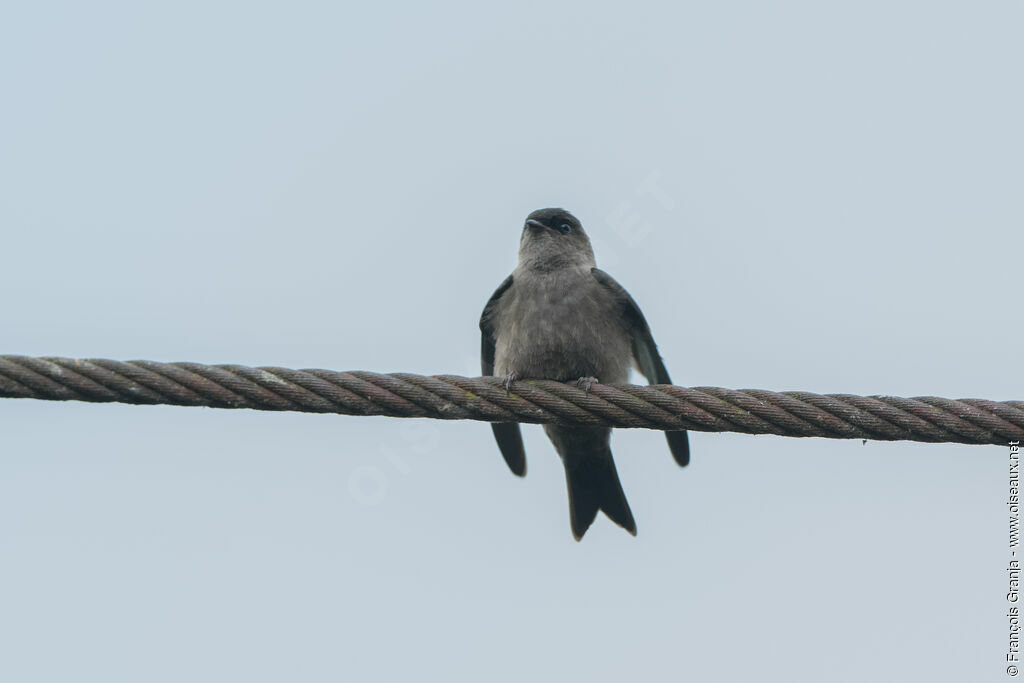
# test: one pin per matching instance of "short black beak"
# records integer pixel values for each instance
(531, 223)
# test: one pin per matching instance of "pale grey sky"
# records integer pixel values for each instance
(800, 195)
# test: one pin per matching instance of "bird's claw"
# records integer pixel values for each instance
(509, 378)
(585, 383)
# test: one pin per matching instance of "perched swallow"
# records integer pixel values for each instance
(557, 316)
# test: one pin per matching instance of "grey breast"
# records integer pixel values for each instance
(563, 326)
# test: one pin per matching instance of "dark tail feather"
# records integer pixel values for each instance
(594, 485)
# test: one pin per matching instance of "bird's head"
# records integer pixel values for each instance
(553, 239)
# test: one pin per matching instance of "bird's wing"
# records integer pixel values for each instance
(507, 434)
(645, 352)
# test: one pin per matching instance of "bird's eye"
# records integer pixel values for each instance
(565, 228)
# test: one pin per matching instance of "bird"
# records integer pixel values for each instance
(559, 317)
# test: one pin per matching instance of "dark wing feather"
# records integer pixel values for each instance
(645, 351)
(507, 434)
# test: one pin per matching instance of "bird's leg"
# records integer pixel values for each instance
(509, 378)
(585, 383)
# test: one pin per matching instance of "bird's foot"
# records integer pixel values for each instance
(509, 378)
(585, 383)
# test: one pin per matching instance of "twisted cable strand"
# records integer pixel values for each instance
(450, 397)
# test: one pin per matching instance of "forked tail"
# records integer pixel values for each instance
(594, 485)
